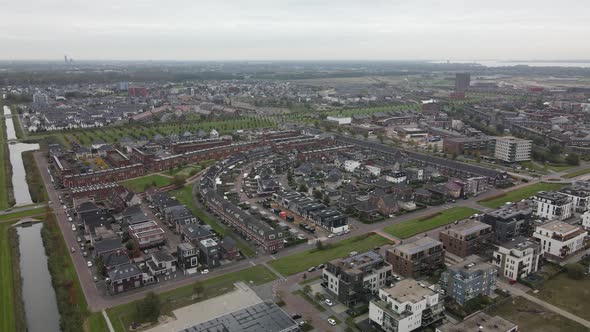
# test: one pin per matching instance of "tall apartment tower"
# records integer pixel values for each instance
(462, 82)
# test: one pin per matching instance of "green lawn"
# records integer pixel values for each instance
(7, 322)
(577, 173)
(415, 226)
(96, 322)
(185, 172)
(530, 316)
(295, 263)
(122, 316)
(568, 294)
(518, 194)
(532, 166)
(142, 183)
(5, 182)
(559, 168)
(185, 196)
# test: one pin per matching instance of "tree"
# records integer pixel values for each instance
(555, 149)
(178, 180)
(319, 245)
(326, 200)
(304, 276)
(575, 271)
(302, 188)
(317, 194)
(149, 308)
(100, 267)
(572, 159)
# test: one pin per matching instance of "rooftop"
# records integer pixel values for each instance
(559, 227)
(419, 245)
(467, 227)
(479, 322)
(408, 290)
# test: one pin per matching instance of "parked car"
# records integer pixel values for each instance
(205, 271)
(321, 266)
(89, 264)
(296, 316)
(73, 249)
(84, 254)
(311, 269)
(73, 228)
(329, 302)
(331, 322)
(331, 236)
(95, 278)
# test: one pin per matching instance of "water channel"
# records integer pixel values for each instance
(16, 149)
(38, 295)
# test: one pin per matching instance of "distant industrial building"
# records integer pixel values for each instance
(462, 82)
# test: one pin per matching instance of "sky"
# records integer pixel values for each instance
(295, 29)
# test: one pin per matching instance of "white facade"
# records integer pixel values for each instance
(351, 165)
(402, 306)
(553, 205)
(373, 170)
(340, 121)
(511, 149)
(517, 260)
(586, 220)
(560, 239)
(396, 177)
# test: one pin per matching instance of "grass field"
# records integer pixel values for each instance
(295, 263)
(559, 168)
(518, 194)
(185, 196)
(415, 226)
(577, 173)
(7, 322)
(122, 316)
(530, 316)
(96, 322)
(142, 183)
(568, 294)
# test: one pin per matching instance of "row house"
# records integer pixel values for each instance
(147, 234)
(103, 176)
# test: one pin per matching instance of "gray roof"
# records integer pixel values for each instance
(107, 245)
(124, 271)
(264, 316)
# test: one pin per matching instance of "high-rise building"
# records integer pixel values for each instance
(462, 82)
(512, 149)
(66, 59)
(40, 99)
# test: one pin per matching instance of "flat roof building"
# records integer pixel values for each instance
(480, 322)
(421, 257)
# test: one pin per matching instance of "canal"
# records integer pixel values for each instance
(37, 291)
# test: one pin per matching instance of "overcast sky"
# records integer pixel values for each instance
(297, 29)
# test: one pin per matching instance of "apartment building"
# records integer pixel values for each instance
(415, 259)
(355, 279)
(468, 237)
(517, 258)
(509, 222)
(406, 306)
(480, 322)
(512, 149)
(560, 240)
(468, 279)
(553, 205)
(579, 193)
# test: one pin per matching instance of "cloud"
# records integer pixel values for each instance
(294, 29)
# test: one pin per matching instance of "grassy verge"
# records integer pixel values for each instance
(142, 183)
(122, 316)
(71, 301)
(28, 213)
(530, 316)
(295, 263)
(568, 294)
(34, 180)
(12, 317)
(415, 226)
(96, 323)
(185, 196)
(518, 194)
(577, 173)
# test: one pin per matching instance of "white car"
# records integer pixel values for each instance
(73, 228)
(331, 321)
(89, 264)
(331, 236)
(329, 302)
(205, 271)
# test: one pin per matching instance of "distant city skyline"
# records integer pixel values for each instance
(295, 30)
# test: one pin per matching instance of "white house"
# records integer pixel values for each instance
(517, 258)
(373, 170)
(340, 120)
(396, 177)
(351, 165)
(559, 239)
(586, 220)
(403, 307)
(553, 205)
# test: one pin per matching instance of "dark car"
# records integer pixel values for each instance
(296, 316)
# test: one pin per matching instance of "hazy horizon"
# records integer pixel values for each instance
(304, 30)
